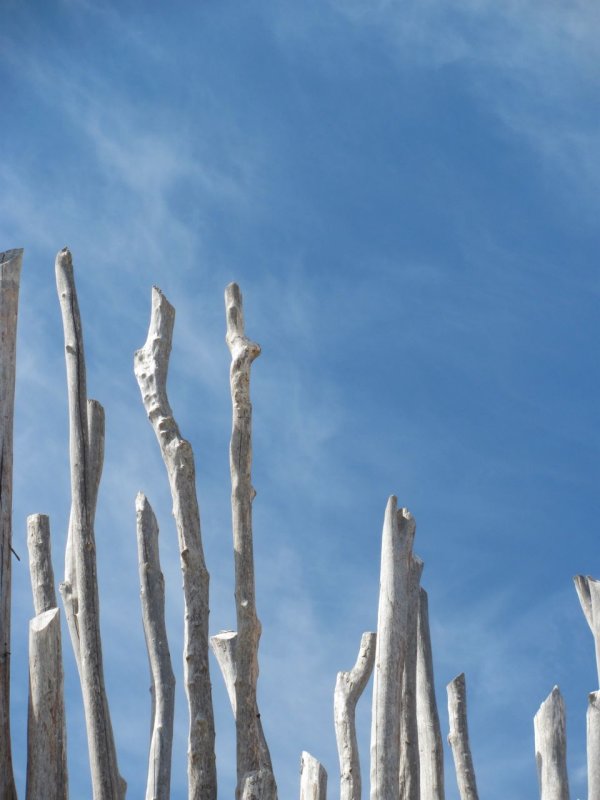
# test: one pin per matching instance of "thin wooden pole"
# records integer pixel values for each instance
(10, 275)
(151, 364)
(549, 726)
(313, 778)
(458, 738)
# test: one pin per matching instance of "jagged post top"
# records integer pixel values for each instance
(236, 336)
(400, 519)
(583, 585)
(11, 259)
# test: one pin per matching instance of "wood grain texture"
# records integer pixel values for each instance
(458, 738)
(313, 778)
(549, 726)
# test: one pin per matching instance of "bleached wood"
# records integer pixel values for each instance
(46, 731)
(313, 778)
(151, 365)
(106, 782)
(40, 563)
(549, 726)
(349, 686)
(396, 558)
(10, 275)
(431, 748)
(409, 779)
(593, 745)
(163, 680)
(458, 738)
(252, 752)
(588, 591)
(223, 645)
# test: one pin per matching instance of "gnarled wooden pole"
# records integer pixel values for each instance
(106, 781)
(163, 680)
(46, 729)
(392, 620)
(349, 686)
(253, 757)
(10, 275)
(313, 778)
(409, 732)
(549, 726)
(588, 591)
(458, 738)
(151, 364)
(431, 749)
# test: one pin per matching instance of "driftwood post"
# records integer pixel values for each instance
(349, 686)
(409, 732)
(313, 778)
(593, 745)
(551, 748)
(163, 680)
(431, 749)
(458, 738)
(151, 364)
(253, 759)
(392, 619)
(10, 275)
(46, 731)
(106, 782)
(588, 591)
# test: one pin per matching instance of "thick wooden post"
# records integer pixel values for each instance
(151, 364)
(431, 749)
(106, 782)
(313, 778)
(349, 686)
(458, 738)
(392, 621)
(10, 275)
(252, 753)
(549, 726)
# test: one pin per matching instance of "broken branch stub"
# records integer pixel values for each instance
(251, 748)
(588, 591)
(349, 686)
(151, 364)
(10, 275)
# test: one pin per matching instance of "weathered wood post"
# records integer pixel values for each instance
(588, 591)
(593, 745)
(313, 778)
(46, 729)
(106, 781)
(431, 749)
(551, 748)
(254, 768)
(390, 652)
(349, 686)
(10, 275)
(158, 786)
(458, 738)
(151, 364)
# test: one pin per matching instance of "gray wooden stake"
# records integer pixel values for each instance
(252, 753)
(549, 726)
(458, 738)
(349, 686)
(409, 733)
(40, 563)
(313, 778)
(106, 782)
(163, 680)
(588, 591)
(392, 621)
(151, 364)
(593, 746)
(431, 748)
(10, 274)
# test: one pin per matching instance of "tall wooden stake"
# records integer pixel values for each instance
(10, 274)
(549, 726)
(151, 364)
(458, 738)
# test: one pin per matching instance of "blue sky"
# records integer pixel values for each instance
(407, 194)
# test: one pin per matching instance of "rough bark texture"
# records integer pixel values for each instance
(106, 782)
(458, 738)
(151, 366)
(409, 733)
(349, 686)
(313, 778)
(431, 748)
(163, 680)
(588, 591)
(549, 726)
(46, 733)
(392, 619)
(252, 752)
(593, 746)
(40, 563)
(10, 274)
